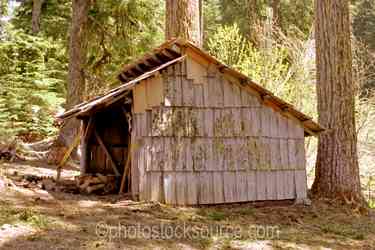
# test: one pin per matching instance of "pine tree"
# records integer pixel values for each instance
(77, 61)
(337, 170)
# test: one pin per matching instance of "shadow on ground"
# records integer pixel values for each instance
(53, 220)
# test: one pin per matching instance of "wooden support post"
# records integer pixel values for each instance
(84, 144)
(126, 168)
(113, 164)
(87, 128)
(66, 156)
(128, 160)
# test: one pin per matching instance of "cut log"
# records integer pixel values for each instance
(109, 188)
(104, 184)
(93, 188)
(85, 184)
(102, 178)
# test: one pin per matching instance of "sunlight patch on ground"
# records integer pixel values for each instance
(87, 203)
(37, 169)
(11, 231)
(255, 245)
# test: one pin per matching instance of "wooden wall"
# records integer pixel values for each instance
(211, 141)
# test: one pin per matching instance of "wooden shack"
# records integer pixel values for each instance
(196, 131)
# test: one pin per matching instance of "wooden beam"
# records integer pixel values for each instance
(113, 164)
(148, 63)
(88, 127)
(198, 58)
(89, 110)
(168, 54)
(157, 59)
(135, 72)
(173, 52)
(66, 156)
(122, 77)
(138, 68)
(84, 145)
(128, 74)
(126, 168)
(144, 67)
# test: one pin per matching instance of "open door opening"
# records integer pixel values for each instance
(105, 150)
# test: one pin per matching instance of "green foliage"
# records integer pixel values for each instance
(294, 15)
(32, 78)
(364, 22)
(211, 18)
(119, 31)
(229, 46)
(297, 15)
(33, 69)
(216, 215)
(364, 32)
(284, 67)
(54, 21)
(12, 215)
(33, 218)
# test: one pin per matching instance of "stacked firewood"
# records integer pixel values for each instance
(98, 183)
(66, 186)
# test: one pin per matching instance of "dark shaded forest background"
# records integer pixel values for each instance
(271, 41)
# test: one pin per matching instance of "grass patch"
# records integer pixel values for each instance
(8, 214)
(11, 215)
(342, 230)
(216, 215)
(203, 242)
(371, 204)
(33, 218)
(245, 211)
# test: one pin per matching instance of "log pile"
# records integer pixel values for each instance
(97, 183)
(66, 186)
(87, 184)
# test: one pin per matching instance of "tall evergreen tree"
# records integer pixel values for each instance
(184, 19)
(77, 60)
(337, 170)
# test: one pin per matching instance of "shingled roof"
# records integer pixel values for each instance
(169, 53)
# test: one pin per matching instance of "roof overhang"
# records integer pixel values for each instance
(112, 96)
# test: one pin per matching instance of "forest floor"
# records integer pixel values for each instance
(32, 218)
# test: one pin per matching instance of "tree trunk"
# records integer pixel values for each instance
(276, 13)
(254, 21)
(77, 60)
(184, 19)
(36, 12)
(337, 171)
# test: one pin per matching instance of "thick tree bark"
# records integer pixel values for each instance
(337, 171)
(276, 13)
(254, 21)
(184, 19)
(36, 12)
(77, 60)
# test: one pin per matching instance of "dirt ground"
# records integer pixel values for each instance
(32, 218)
